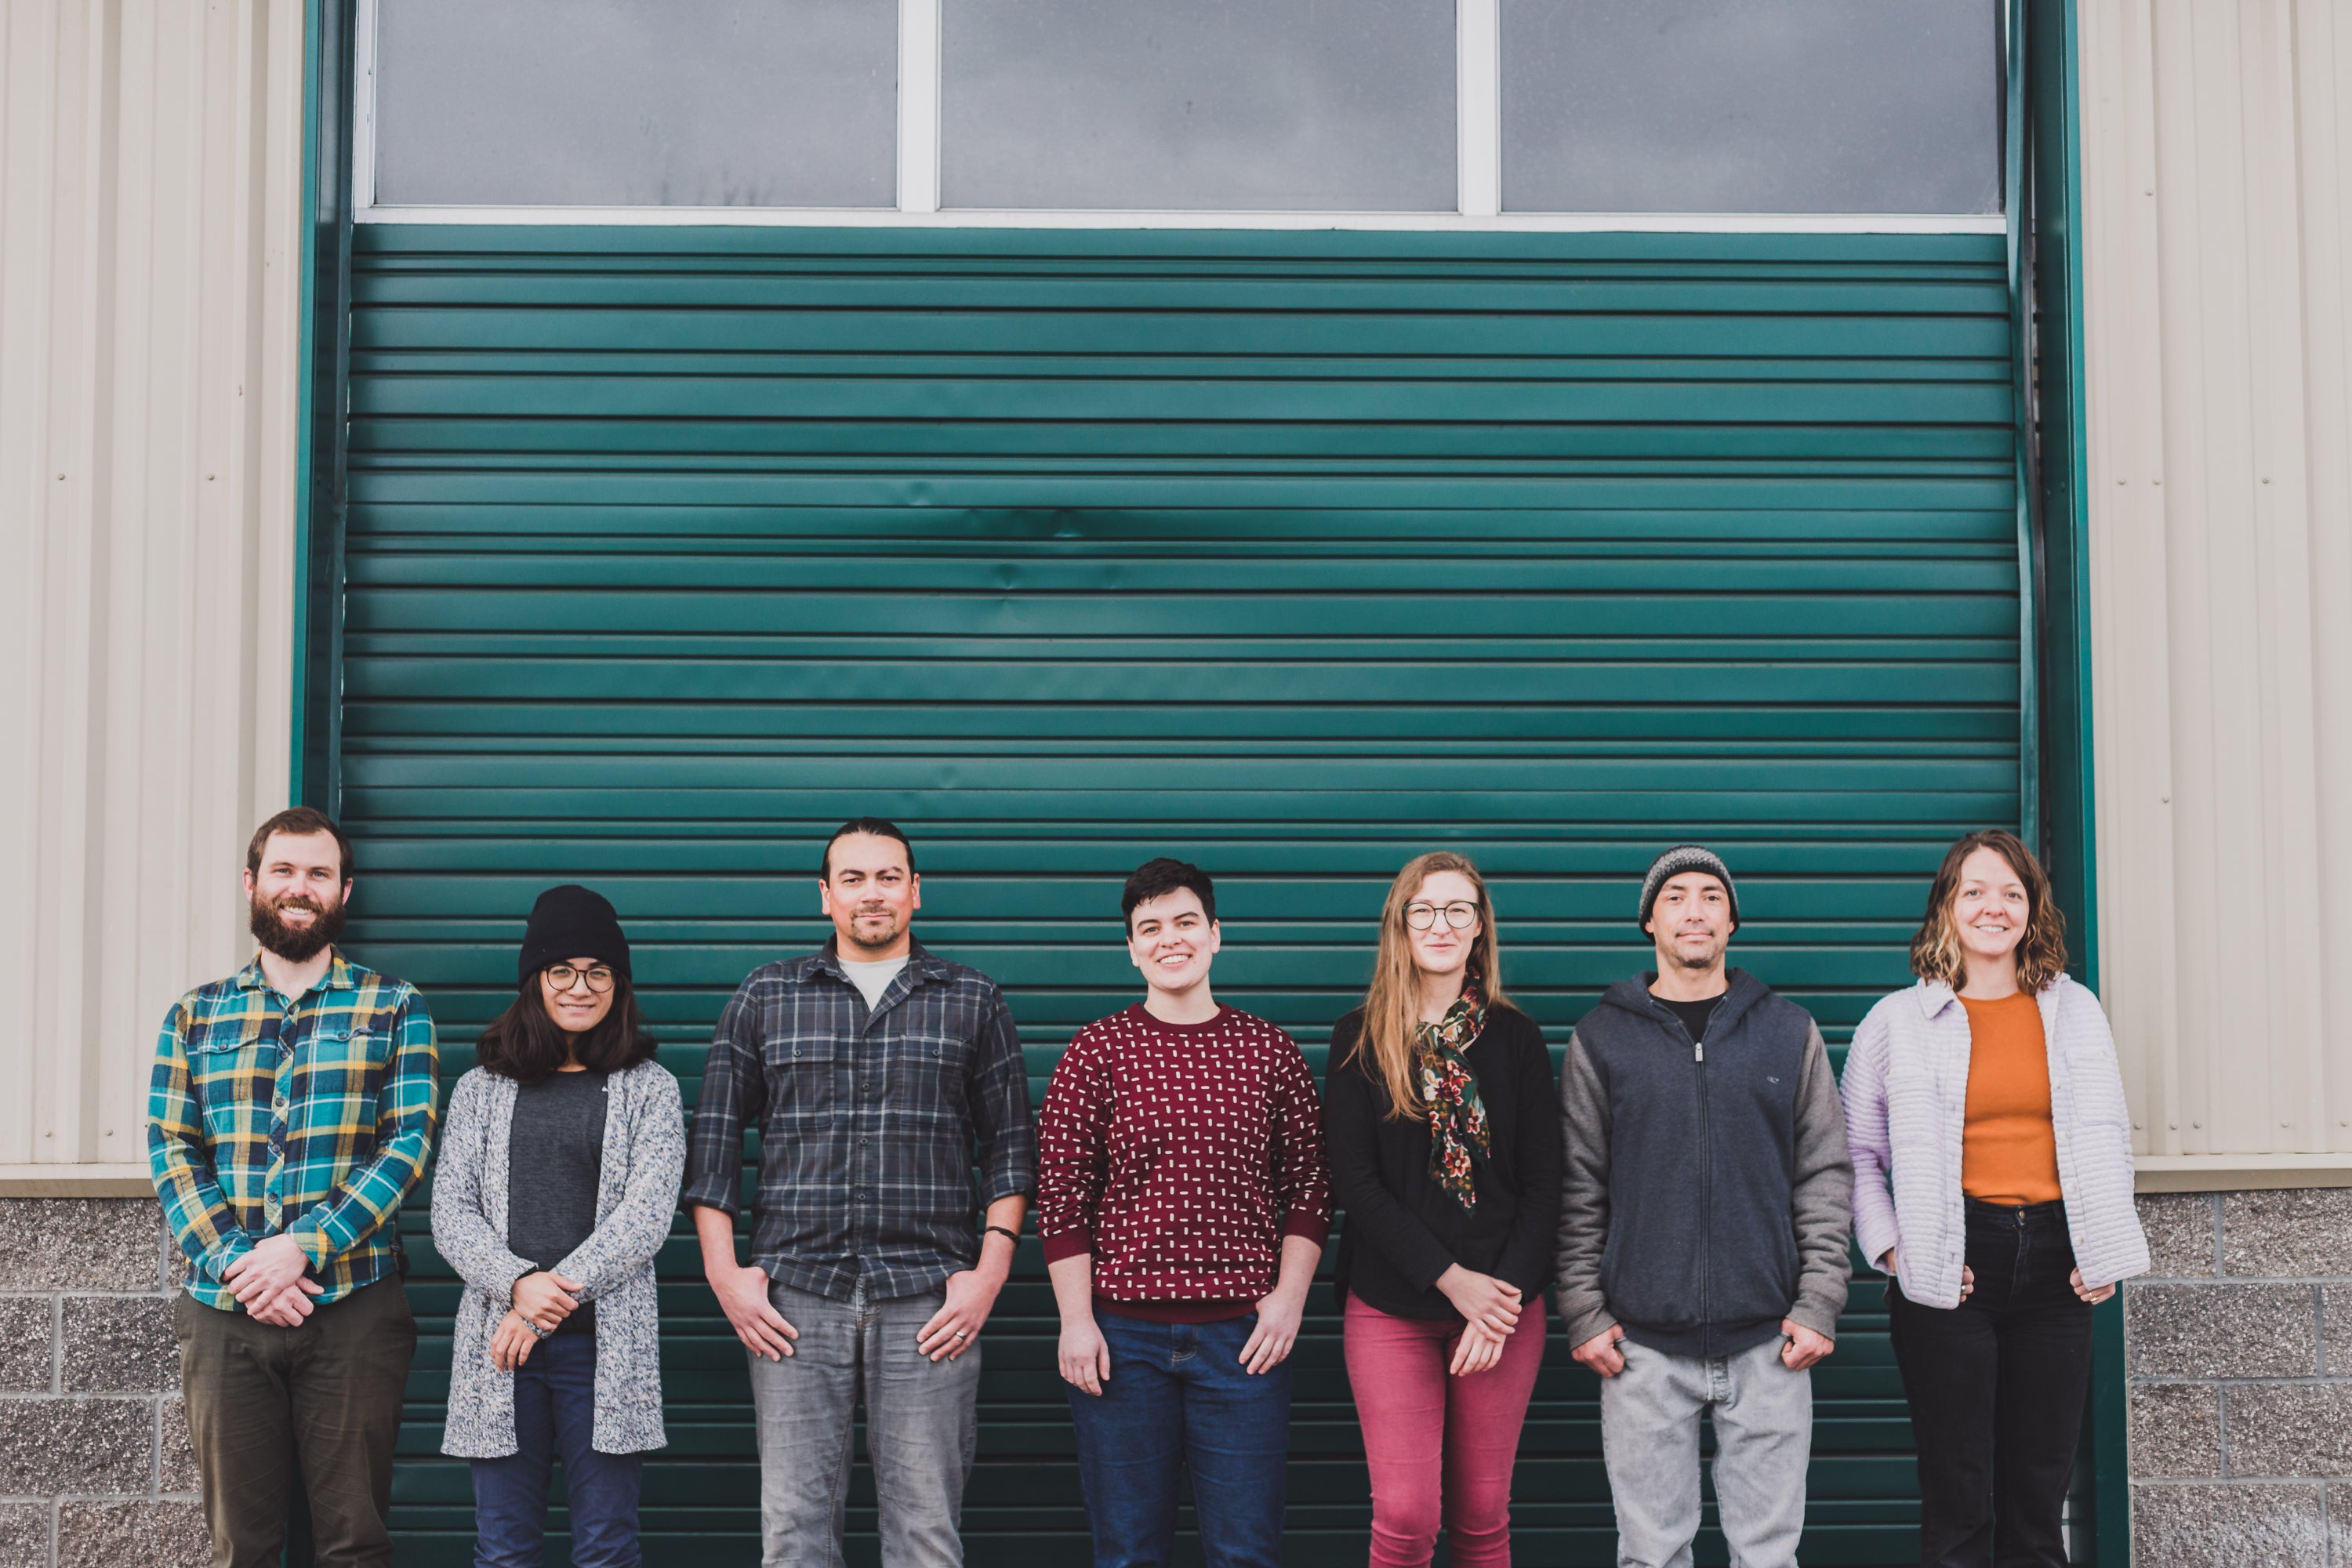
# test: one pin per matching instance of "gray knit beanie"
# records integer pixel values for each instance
(1686, 858)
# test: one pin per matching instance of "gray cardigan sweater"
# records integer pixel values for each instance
(637, 1196)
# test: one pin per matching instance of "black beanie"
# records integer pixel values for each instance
(571, 922)
(1673, 863)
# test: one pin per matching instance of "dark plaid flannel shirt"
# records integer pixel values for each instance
(870, 1122)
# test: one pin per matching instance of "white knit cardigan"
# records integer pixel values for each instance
(1905, 1087)
(636, 1196)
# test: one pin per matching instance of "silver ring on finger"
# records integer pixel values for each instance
(961, 1335)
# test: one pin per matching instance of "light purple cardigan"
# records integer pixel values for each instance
(1905, 1087)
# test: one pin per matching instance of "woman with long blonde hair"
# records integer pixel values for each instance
(1442, 1124)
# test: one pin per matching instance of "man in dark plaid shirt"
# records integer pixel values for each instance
(878, 1075)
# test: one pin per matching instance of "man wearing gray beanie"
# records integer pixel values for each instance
(1703, 1228)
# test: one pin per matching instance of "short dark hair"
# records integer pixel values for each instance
(1157, 877)
(301, 821)
(873, 826)
(527, 1046)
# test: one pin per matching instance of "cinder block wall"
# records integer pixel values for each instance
(2240, 1359)
(2239, 1355)
(95, 1466)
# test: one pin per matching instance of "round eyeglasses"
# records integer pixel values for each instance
(1460, 915)
(563, 976)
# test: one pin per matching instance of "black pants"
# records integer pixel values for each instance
(325, 1397)
(1996, 1387)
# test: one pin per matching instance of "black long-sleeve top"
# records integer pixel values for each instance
(1402, 1229)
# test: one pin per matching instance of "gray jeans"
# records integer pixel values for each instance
(1763, 1416)
(921, 1420)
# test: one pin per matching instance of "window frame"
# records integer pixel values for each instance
(1478, 146)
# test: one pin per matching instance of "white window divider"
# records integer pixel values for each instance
(1478, 99)
(919, 105)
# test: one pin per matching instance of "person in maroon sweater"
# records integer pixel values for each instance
(1182, 1202)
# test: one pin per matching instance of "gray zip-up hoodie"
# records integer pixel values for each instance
(1708, 1190)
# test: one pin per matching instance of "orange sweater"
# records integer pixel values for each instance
(2009, 1150)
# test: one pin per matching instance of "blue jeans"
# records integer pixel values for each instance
(1178, 1400)
(555, 1412)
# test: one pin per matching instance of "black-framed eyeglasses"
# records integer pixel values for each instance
(1459, 914)
(563, 976)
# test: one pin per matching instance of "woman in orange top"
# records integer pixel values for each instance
(1990, 1287)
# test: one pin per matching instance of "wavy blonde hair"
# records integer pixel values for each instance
(1936, 951)
(1393, 1003)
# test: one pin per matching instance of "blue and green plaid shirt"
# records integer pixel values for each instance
(312, 1117)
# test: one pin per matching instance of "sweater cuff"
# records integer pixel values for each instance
(1069, 1244)
(1315, 1226)
(1814, 1316)
(1876, 1234)
(1585, 1324)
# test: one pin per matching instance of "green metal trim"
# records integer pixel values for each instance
(2063, 496)
(2020, 306)
(306, 291)
(320, 401)
(2109, 1398)
(2067, 493)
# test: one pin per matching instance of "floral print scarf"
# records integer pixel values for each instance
(1457, 1118)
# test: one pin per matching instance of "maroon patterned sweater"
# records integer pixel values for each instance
(1179, 1156)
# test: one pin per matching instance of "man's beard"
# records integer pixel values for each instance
(296, 944)
(861, 939)
(1699, 965)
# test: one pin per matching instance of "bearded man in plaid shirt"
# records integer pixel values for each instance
(291, 1111)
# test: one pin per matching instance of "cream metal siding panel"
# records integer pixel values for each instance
(150, 198)
(2216, 148)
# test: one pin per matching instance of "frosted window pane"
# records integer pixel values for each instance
(1751, 106)
(638, 102)
(1180, 105)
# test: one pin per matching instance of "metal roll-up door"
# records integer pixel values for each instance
(1294, 554)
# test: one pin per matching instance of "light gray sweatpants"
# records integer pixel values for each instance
(1763, 1416)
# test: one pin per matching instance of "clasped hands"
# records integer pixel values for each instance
(1490, 1312)
(273, 1282)
(542, 1300)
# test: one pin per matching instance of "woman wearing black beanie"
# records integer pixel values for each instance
(561, 1159)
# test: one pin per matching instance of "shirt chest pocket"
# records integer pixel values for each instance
(804, 1077)
(1923, 1074)
(332, 1082)
(227, 1073)
(927, 1074)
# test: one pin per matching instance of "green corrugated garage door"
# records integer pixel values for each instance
(1294, 554)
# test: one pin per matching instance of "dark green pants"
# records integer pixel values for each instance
(326, 1396)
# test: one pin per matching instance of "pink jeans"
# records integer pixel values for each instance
(1440, 1447)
